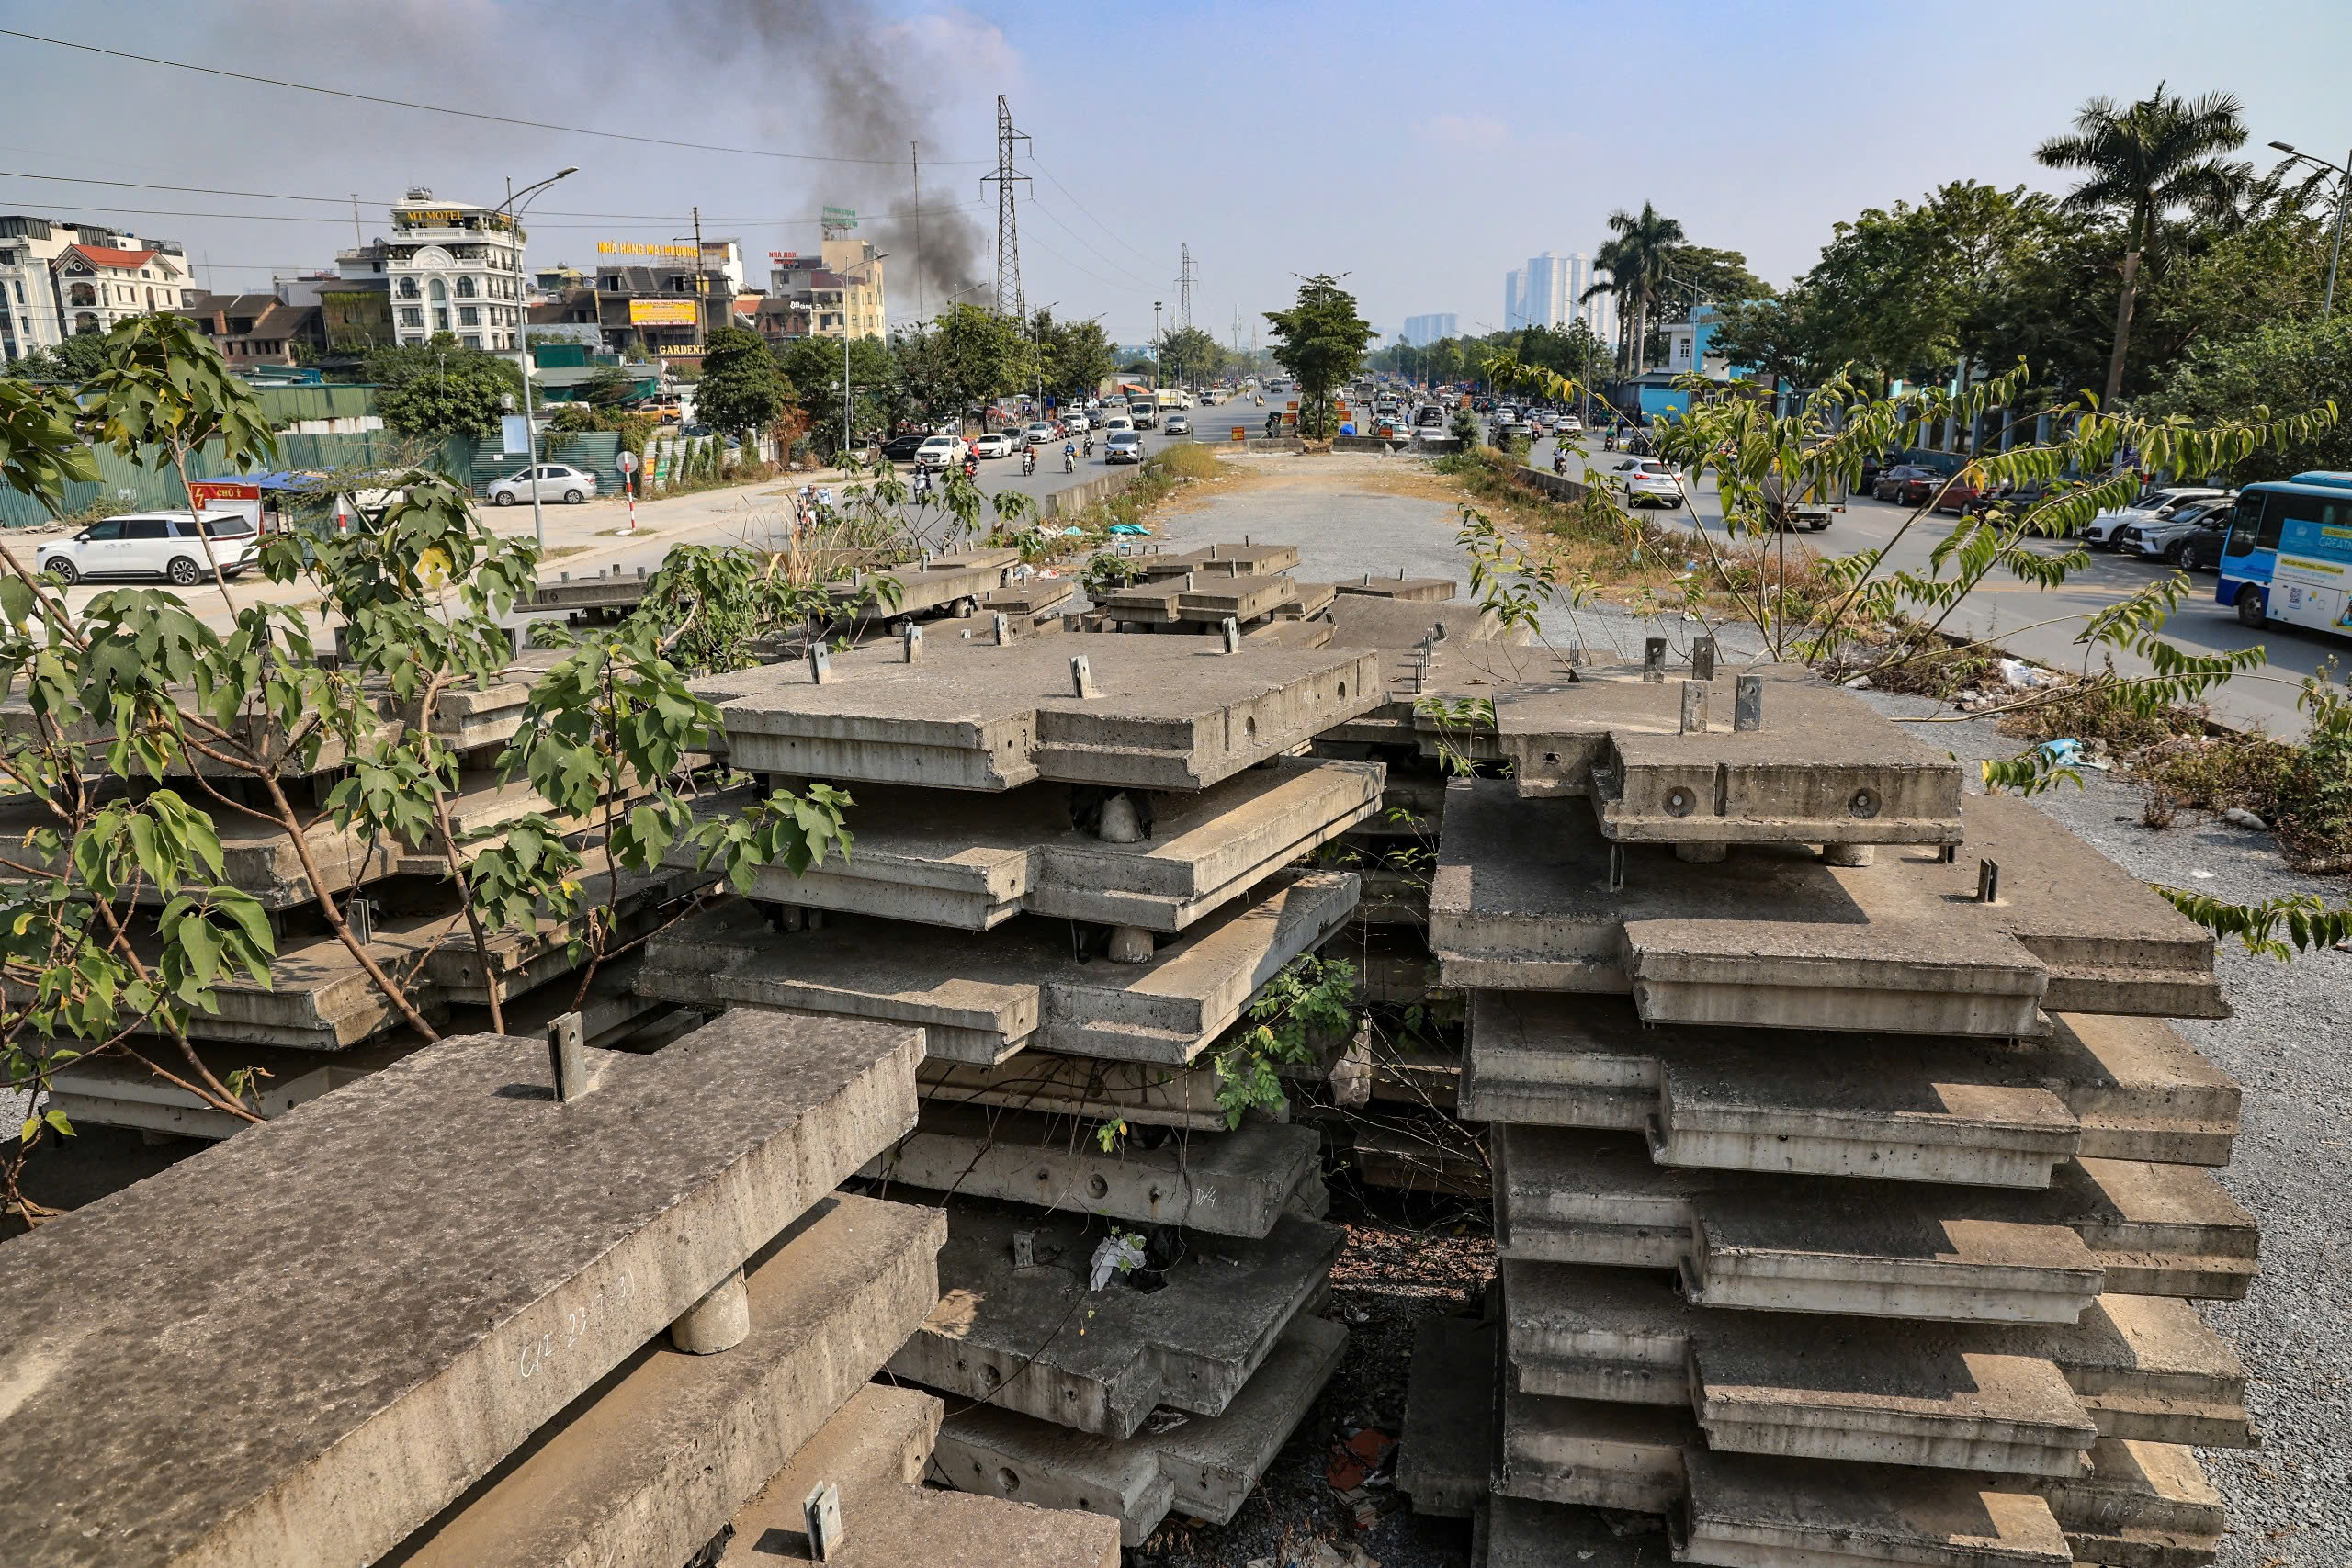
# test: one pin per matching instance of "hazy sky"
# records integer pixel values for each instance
(1423, 150)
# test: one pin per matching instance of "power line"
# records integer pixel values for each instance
(461, 114)
(1081, 206)
(1037, 206)
(657, 219)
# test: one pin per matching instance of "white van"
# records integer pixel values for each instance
(169, 545)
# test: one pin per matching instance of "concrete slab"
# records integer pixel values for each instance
(1089, 1091)
(1413, 590)
(946, 582)
(1032, 596)
(2139, 1367)
(1196, 598)
(1309, 601)
(1772, 937)
(1360, 621)
(509, 1285)
(1885, 1107)
(1445, 1454)
(1236, 1183)
(644, 1469)
(1289, 632)
(980, 996)
(1751, 1512)
(973, 861)
(2143, 1506)
(1203, 1468)
(1600, 1456)
(1170, 713)
(1244, 559)
(611, 589)
(1816, 1244)
(878, 1450)
(1036, 1340)
(1517, 1532)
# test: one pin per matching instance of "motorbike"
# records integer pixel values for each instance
(1069, 464)
(971, 468)
(1559, 462)
(1090, 445)
(1028, 462)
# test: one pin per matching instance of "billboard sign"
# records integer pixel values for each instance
(841, 219)
(661, 312)
(634, 248)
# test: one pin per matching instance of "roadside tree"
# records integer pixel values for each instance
(743, 389)
(1321, 341)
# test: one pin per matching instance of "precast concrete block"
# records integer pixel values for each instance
(654, 1461)
(1244, 559)
(1203, 1467)
(1445, 1455)
(147, 1429)
(1308, 600)
(980, 996)
(1774, 938)
(1406, 589)
(1888, 1107)
(1037, 1340)
(973, 861)
(1091, 1092)
(1517, 1532)
(1236, 1183)
(2009, 1397)
(1594, 1454)
(878, 1453)
(1815, 1244)
(944, 584)
(2143, 1506)
(1746, 1511)
(1170, 713)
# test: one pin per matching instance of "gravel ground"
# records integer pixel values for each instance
(2289, 1044)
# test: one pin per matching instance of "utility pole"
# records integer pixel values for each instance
(1159, 350)
(914, 157)
(1184, 280)
(699, 290)
(357, 238)
(1009, 301)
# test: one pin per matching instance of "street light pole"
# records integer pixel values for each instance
(523, 350)
(2343, 196)
(879, 256)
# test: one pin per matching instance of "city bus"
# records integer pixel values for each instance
(2288, 557)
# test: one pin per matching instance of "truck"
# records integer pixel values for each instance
(1144, 408)
(1810, 503)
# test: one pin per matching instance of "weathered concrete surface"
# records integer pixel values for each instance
(982, 995)
(1012, 1336)
(1308, 600)
(645, 1467)
(1204, 1469)
(1906, 1107)
(1195, 598)
(145, 1427)
(878, 1450)
(946, 582)
(1092, 1092)
(608, 590)
(1416, 1157)
(1236, 1183)
(2020, 1398)
(2143, 1506)
(1818, 1244)
(1445, 1454)
(1416, 590)
(1751, 1512)
(972, 860)
(1173, 713)
(1603, 1456)
(1244, 559)
(1774, 938)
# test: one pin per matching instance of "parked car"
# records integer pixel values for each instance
(2016, 497)
(939, 452)
(1124, 447)
(558, 481)
(2150, 505)
(1907, 484)
(1958, 495)
(2202, 549)
(169, 545)
(995, 444)
(2167, 538)
(1176, 424)
(1647, 481)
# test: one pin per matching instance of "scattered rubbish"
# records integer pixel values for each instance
(1117, 1254)
(1859, 683)
(2018, 672)
(2203, 875)
(1363, 1453)
(2065, 753)
(1136, 528)
(1318, 1554)
(2244, 818)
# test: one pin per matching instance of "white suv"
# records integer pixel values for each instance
(1646, 480)
(2152, 506)
(940, 451)
(558, 481)
(155, 544)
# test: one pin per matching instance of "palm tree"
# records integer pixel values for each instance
(2143, 161)
(1637, 259)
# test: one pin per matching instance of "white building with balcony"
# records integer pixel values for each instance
(58, 279)
(453, 268)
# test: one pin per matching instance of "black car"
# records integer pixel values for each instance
(2202, 551)
(1907, 484)
(902, 449)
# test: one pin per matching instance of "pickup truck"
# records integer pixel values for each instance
(1813, 500)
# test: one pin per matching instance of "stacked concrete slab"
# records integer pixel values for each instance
(287, 1349)
(1075, 863)
(320, 1020)
(1851, 1193)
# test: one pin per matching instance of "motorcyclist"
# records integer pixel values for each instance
(1090, 443)
(1029, 459)
(1559, 459)
(1070, 457)
(972, 466)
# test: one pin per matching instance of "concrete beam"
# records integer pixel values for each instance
(658, 1458)
(1171, 713)
(1750, 1512)
(877, 1451)
(1012, 1336)
(1244, 559)
(1041, 1082)
(147, 1429)
(1600, 1456)
(1412, 590)
(980, 996)
(973, 861)
(1203, 1468)
(1236, 1183)
(1445, 1454)
(1522, 901)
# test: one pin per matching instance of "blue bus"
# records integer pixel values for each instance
(2288, 557)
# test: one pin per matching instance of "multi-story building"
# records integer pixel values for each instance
(1423, 330)
(1514, 317)
(60, 279)
(841, 288)
(452, 268)
(258, 329)
(1549, 292)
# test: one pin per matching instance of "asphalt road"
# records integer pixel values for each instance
(2043, 627)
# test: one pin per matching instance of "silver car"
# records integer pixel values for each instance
(558, 481)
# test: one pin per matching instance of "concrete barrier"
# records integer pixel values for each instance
(1078, 497)
(1559, 486)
